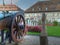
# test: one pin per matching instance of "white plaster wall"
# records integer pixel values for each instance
(50, 16)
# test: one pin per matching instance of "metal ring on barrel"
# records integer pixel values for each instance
(15, 28)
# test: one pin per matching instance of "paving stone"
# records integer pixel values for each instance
(34, 40)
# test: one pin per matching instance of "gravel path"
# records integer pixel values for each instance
(34, 40)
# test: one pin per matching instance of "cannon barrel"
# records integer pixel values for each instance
(5, 22)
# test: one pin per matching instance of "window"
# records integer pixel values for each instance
(32, 9)
(46, 8)
(39, 8)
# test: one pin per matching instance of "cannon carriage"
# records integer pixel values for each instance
(10, 21)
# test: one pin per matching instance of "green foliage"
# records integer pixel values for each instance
(58, 23)
(33, 33)
(55, 23)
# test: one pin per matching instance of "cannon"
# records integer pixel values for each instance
(10, 22)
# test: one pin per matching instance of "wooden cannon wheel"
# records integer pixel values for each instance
(15, 29)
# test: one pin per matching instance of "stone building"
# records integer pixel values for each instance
(51, 9)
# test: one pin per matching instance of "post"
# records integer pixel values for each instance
(4, 9)
(2, 36)
(10, 37)
(43, 36)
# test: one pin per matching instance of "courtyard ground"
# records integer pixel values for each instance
(34, 40)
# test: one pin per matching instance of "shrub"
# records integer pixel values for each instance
(34, 28)
(49, 24)
(58, 23)
(37, 28)
(55, 23)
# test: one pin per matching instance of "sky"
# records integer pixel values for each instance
(23, 4)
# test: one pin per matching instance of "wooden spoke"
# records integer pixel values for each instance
(15, 29)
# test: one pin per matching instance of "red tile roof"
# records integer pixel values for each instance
(9, 7)
(47, 6)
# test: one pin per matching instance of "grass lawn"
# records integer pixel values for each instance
(51, 30)
(33, 33)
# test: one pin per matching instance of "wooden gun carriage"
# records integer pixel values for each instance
(10, 21)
